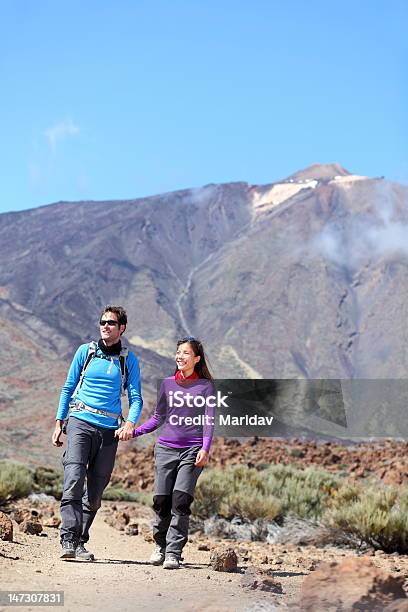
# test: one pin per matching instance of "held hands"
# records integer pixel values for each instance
(126, 432)
(202, 458)
(56, 434)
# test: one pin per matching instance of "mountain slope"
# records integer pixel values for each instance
(306, 277)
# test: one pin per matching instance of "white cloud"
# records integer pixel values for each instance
(375, 234)
(49, 172)
(60, 131)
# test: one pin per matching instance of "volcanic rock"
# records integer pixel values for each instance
(31, 526)
(261, 580)
(353, 584)
(6, 528)
(224, 560)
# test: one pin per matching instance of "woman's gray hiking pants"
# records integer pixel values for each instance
(175, 480)
(88, 463)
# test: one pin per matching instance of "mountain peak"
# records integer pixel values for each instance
(319, 172)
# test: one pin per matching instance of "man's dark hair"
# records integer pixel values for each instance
(119, 311)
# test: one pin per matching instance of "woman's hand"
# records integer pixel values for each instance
(202, 458)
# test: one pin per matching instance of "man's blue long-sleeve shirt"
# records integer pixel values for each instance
(101, 387)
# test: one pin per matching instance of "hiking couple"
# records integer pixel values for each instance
(91, 397)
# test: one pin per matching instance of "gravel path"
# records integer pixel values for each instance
(121, 579)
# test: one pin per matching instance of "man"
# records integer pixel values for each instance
(96, 378)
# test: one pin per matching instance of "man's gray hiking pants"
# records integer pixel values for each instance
(175, 480)
(88, 463)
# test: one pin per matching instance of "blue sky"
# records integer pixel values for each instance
(122, 99)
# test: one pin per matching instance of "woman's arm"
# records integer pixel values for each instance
(158, 417)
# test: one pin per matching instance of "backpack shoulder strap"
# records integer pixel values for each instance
(92, 348)
(123, 369)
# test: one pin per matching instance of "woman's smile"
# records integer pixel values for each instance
(185, 359)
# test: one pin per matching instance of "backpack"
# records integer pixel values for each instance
(92, 348)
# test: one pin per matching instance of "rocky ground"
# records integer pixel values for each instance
(266, 576)
(306, 577)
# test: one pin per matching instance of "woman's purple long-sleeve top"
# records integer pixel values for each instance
(187, 411)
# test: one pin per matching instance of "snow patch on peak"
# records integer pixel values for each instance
(351, 178)
(279, 192)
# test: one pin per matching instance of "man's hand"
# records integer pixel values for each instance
(56, 434)
(202, 458)
(125, 432)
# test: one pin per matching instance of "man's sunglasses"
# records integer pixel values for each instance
(109, 322)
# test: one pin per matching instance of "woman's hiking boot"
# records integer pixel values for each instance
(68, 549)
(157, 556)
(171, 561)
(82, 553)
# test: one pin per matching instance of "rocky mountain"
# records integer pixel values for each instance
(306, 277)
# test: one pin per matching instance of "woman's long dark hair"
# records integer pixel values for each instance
(201, 367)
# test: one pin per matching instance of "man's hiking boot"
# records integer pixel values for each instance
(171, 561)
(82, 553)
(157, 556)
(68, 549)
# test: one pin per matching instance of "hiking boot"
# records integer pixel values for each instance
(68, 549)
(82, 553)
(157, 556)
(171, 561)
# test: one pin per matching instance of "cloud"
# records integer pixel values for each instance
(59, 132)
(375, 234)
(203, 195)
(50, 173)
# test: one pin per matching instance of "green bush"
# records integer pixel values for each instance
(376, 515)
(304, 492)
(116, 493)
(250, 505)
(15, 480)
(252, 493)
(48, 481)
(211, 489)
(234, 491)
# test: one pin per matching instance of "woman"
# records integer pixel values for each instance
(182, 448)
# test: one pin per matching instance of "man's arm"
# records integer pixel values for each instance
(56, 434)
(67, 390)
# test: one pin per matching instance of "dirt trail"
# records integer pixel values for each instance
(121, 579)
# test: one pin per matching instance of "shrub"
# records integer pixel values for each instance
(48, 481)
(118, 494)
(234, 491)
(211, 489)
(15, 480)
(306, 492)
(249, 504)
(357, 512)
(375, 515)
